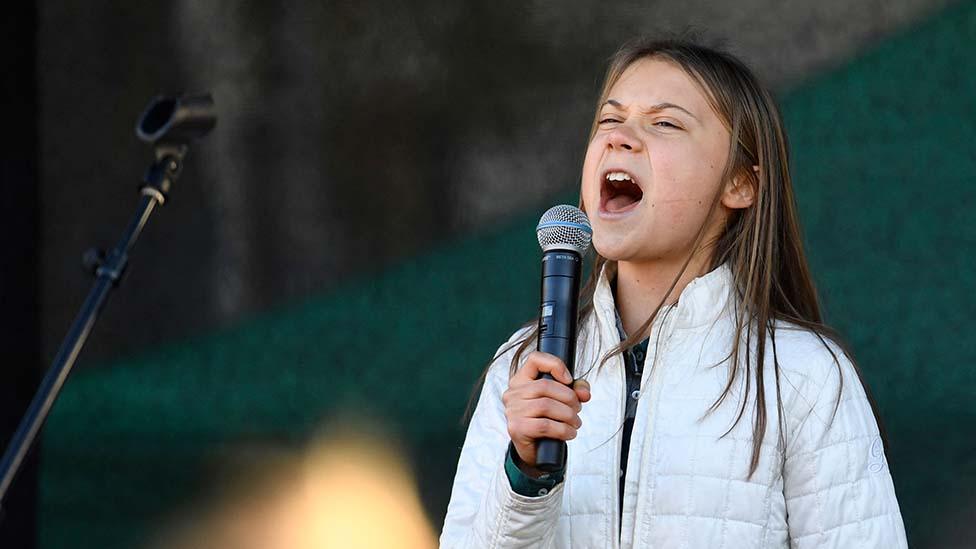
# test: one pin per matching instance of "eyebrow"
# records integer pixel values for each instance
(654, 108)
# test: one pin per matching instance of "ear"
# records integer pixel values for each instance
(740, 192)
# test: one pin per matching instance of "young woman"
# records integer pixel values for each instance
(712, 408)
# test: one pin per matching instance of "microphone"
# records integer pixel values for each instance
(564, 234)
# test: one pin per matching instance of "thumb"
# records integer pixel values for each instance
(582, 388)
(545, 363)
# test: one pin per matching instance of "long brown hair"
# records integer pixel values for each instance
(761, 244)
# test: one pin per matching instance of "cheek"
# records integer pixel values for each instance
(589, 186)
(687, 176)
(684, 188)
(671, 180)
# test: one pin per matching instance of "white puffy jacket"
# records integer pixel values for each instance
(686, 486)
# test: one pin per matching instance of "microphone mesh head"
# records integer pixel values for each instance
(564, 228)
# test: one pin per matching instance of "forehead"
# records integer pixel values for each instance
(653, 81)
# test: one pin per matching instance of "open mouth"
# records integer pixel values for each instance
(619, 192)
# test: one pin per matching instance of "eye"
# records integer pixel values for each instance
(609, 121)
(666, 124)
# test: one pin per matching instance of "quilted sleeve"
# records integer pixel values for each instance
(484, 512)
(838, 490)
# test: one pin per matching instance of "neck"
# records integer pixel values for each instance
(642, 286)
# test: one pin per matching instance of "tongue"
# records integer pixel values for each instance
(620, 202)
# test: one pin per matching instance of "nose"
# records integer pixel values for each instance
(624, 138)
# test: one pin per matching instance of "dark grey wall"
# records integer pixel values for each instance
(351, 134)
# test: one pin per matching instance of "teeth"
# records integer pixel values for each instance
(618, 176)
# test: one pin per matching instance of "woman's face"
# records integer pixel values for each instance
(653, 166)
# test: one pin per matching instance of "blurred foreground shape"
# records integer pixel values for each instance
(348, 492)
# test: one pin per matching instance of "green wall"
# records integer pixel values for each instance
(885, 165)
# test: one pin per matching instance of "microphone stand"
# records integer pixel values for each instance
(170, 124)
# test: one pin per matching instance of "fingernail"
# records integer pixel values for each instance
(581, 384)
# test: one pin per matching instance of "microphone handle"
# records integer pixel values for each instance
(561, 272)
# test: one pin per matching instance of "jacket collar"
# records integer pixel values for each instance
(701, 302)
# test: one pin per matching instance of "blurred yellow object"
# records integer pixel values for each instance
(349, 492)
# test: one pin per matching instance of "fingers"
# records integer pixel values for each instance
(525, 431)
(545, 408)
(582, 389)
(538, 363)
(540, 408)
(542, 388)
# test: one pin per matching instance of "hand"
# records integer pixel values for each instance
(542, 408)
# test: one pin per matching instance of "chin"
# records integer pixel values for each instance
(614, 251)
